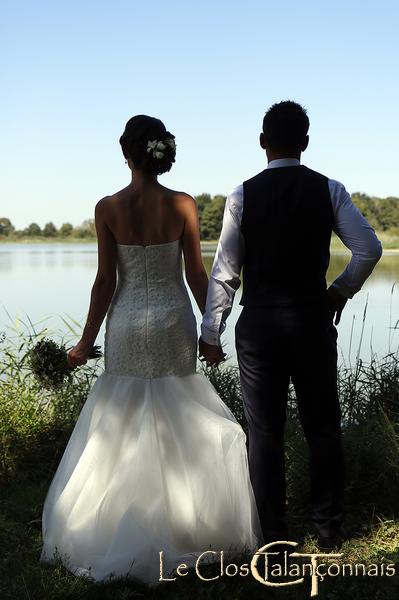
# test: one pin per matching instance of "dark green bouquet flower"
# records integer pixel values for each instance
(49, 364)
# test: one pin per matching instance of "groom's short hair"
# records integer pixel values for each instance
(285, 126)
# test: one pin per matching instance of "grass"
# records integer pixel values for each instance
(389, 241)
(35, 426)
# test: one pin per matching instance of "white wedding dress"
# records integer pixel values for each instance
(156, 460)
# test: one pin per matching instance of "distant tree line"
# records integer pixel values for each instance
(67, 230)
(382, 214)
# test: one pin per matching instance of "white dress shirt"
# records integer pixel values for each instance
(349, 224)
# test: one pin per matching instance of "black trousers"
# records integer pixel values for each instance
(273, 345)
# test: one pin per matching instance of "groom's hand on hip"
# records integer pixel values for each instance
(212, 354)
(336, 303)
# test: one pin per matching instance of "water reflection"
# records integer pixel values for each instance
(54, 280)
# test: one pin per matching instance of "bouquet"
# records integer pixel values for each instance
(48, 362)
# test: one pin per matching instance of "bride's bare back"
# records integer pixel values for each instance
(150, 214)
(153, 214)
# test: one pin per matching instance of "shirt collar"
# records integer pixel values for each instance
(283, 162)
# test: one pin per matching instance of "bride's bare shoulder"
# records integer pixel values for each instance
(107, 202)
(181, 198)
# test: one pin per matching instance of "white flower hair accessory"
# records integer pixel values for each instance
(171, 143)
(157, 147)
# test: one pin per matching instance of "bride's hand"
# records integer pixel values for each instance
(212, 354)
(78, 355)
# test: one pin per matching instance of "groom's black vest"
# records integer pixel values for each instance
(287, 222)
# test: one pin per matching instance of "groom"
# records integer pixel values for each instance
(277, 227)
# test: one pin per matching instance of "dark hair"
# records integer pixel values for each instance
(285, 126)
(140, 130)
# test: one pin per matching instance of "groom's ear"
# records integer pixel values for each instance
(262, 140)
(305, 143)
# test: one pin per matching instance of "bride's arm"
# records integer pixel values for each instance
(105, 281)
(195, 272)
(102, 290)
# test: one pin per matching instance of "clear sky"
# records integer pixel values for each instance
(75, 71)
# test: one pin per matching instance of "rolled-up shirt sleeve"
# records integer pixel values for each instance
(357, 234)
(224, 279)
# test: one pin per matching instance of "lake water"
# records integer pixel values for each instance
(46, 282)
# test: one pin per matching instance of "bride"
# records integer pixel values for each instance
(156, 461)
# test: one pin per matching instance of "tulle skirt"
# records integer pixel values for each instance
(152, 465)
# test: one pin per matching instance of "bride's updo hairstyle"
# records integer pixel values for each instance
(150, 146)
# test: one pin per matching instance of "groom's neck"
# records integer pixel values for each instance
(276, 155)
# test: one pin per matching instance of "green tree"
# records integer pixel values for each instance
(367, 208)
(50, 230)
(66, 229)
(6, 227)
(202, 200)
(33, 229)
(86, 230)
(219, 199)
(381, 213)
(212, 218)
(387, 212)
(89, 225)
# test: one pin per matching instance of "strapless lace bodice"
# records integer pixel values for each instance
(150, 329)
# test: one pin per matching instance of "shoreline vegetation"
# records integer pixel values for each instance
(35, 426)
(381, 213)
(389, 242)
